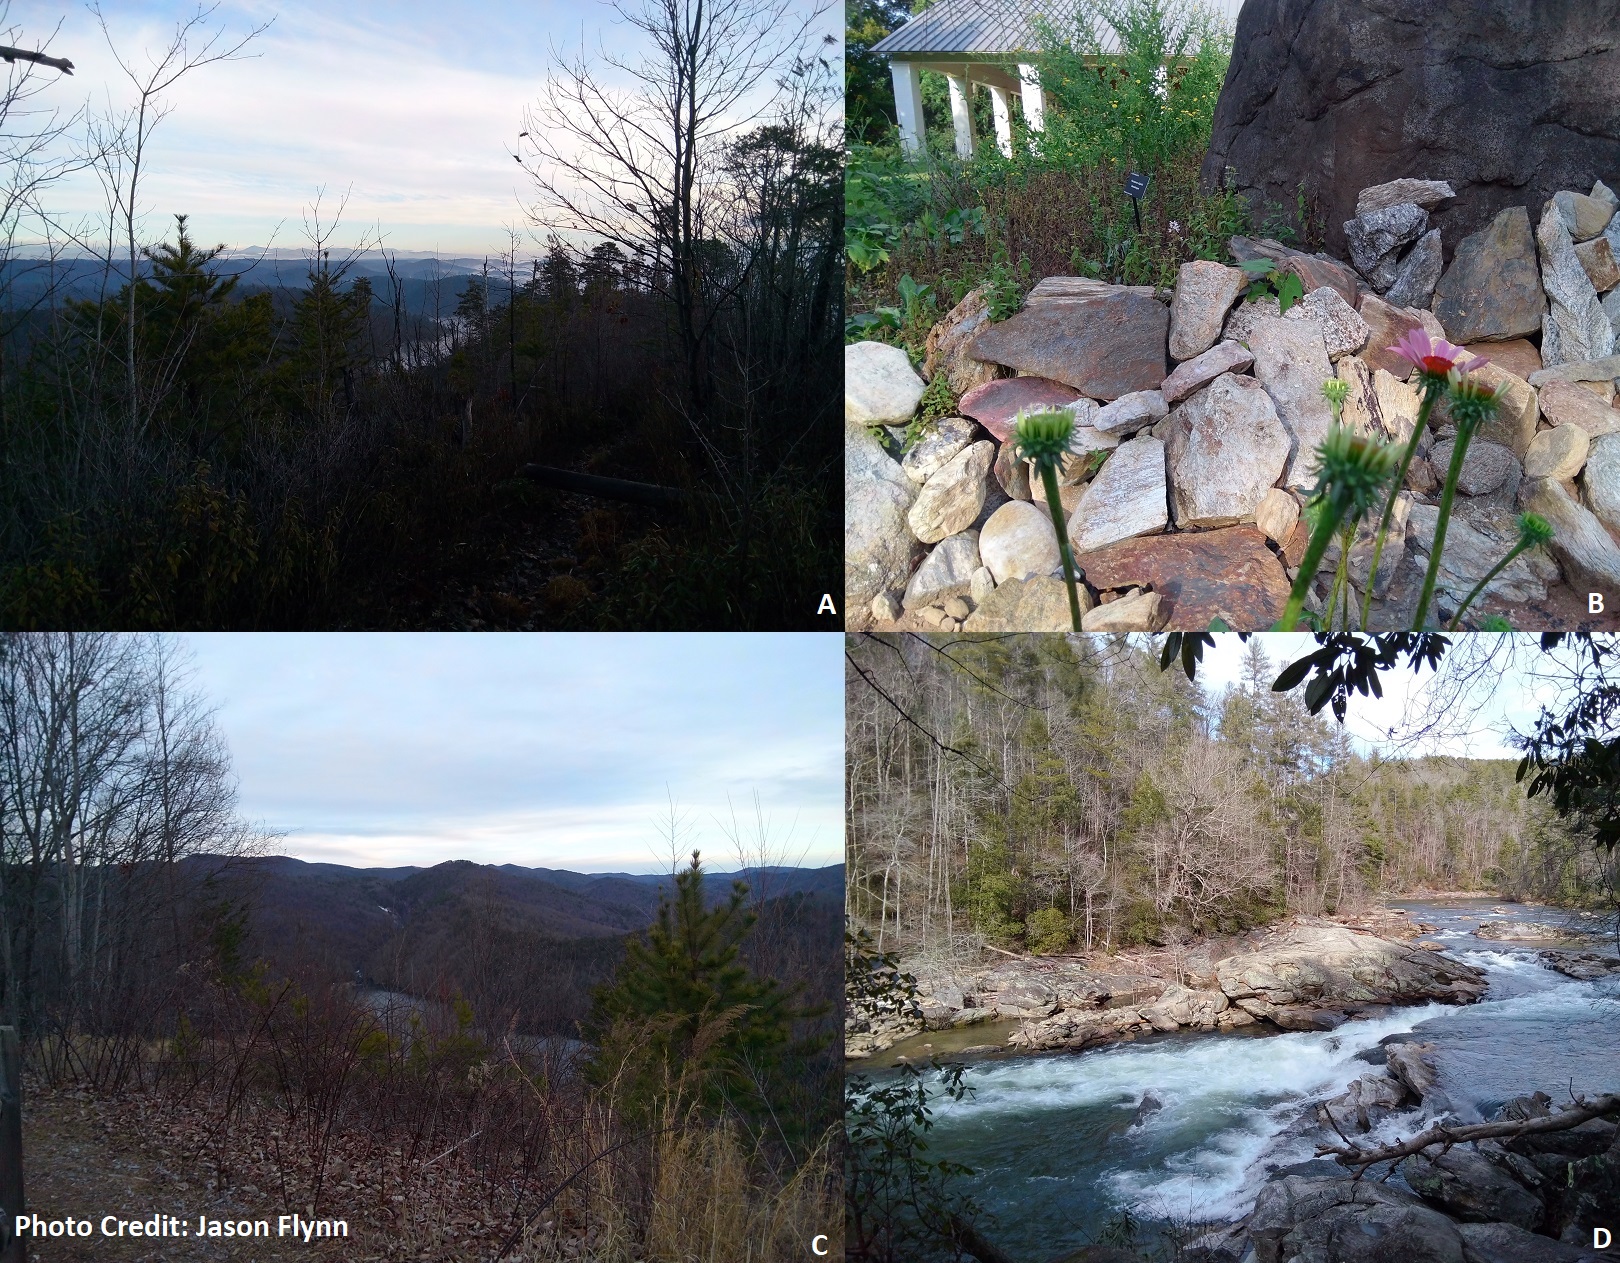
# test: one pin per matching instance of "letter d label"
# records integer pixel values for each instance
(1600, 1238)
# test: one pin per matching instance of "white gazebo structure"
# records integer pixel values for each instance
(992, 43)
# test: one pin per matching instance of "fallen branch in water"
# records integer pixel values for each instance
(1582, 1111)
(605, 488)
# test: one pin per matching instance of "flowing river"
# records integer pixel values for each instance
(1059, 1143)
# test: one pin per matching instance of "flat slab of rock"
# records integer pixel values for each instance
(946, 348)
(1138, 612)
(1597, 257)
(1472, 548)
(1126, 499)
(1605, 369)
(934, 450)
(880, 386)
(1132, 412)
(1228, 574)
(1027, 605)
(1223, 357)
(1205, 292)
(1060, 289)
(1103, 347)
(1424, 193)
(947, 571)
(1019, 541)
(952, 498)
(1225, 450)
(879, 549)
(1291, 362)
(1518, 355)
(1570, 403)
(1327, 965)
(996, 405)
(1492, 290)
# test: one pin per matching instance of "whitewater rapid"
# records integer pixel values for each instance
(1059, 1143)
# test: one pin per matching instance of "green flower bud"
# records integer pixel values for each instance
(1044, 437)
(1534, 530)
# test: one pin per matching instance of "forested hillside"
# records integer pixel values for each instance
(1052, 791)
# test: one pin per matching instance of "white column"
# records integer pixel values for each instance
(908, 107)
(1034, 100)
(961, 94)
(1001, 109)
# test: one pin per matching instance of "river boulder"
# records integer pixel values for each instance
(1320, 965)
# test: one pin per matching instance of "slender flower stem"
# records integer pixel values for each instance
(1340, 576)
(1307, 570)
(1521, 546)
(1431, 392)
(1458, 450)
(1055, 505)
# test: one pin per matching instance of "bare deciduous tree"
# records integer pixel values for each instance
(645, 168)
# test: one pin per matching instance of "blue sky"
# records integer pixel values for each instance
(417, 106)
(551, 751)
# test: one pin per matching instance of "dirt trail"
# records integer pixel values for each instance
(87, 1157)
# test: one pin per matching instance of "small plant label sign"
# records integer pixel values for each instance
(1135, 185)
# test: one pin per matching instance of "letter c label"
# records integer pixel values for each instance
(818, 1245)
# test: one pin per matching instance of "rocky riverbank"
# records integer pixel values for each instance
(1529, 1198)
(1309, 973)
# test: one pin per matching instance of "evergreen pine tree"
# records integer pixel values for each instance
(684, 1019)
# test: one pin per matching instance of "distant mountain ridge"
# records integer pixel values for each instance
(349, 915)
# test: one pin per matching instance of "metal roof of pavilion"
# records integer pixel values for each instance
(999, 27)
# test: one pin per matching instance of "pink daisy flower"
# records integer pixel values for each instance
(1437, 358)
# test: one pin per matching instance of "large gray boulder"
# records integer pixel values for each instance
(879, 548)
(880, 386)
(1466, 1186)
(1225, 449)
(1492, 290)
(1587, 552)
(1291, 362)
(1326, 965)
(1508, 101)
(1576, 329)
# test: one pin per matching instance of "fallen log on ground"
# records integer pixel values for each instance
(605, 488)
(1582, 1111)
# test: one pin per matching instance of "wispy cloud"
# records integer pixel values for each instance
(413, 108)
(547, 750)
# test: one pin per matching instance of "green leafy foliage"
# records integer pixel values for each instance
(901, 1203)
(1138, 99)
(1269, 282)
(684, 1020)
(1046, 931)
